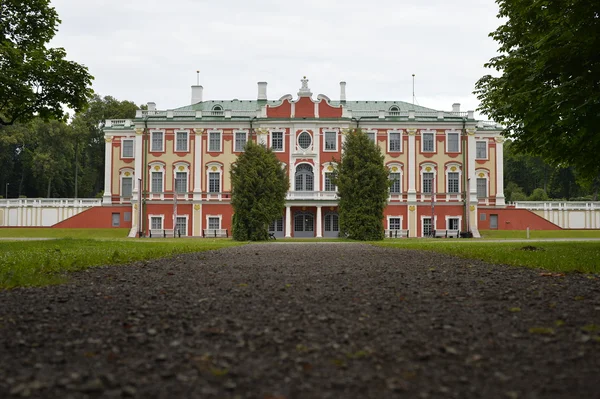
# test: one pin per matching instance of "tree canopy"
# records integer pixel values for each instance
(36, 80)
(259, 185)
(363, 187)
(548, 91)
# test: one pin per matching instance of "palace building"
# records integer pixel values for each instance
(167, 171)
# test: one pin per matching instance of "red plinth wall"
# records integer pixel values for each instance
(98, 217)
(515, 219)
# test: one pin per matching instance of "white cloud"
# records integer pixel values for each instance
(150, 50)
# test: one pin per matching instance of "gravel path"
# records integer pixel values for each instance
(275, 321)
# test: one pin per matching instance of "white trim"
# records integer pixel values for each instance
(435, 174)
(453, 131)
(459, 217)
(487, 149)
(164, 139)
(187, 225)
(122, 176)
(186, 169)
(312, 141)
(209, 167)
(486, 176)
(447, 170)
(434, 133)
(123, 140)
(187, 140)
(277, 130)
(395, 217)
(220, 131)
(151, 170)
(399, 131)
(421, 227)
(323, 171)
(233, 142)
(162, 221)
(374, 133)
(220, 217)
(400, 171)
(334, 131)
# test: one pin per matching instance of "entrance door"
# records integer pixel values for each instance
(304, 225)
(276, 228)
(493, 221)
(332, 225)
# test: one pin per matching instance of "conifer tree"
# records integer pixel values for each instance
(363, 185)
(259, 185)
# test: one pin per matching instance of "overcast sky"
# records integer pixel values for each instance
(149, 50)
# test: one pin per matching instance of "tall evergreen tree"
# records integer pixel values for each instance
(259, 185)
(363, 188)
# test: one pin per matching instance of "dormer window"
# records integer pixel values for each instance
(217, 110)
(394, 110)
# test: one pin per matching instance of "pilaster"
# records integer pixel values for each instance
(288, 222)
(319, 222)
(499, 171)
(198, 166)
(107, 198)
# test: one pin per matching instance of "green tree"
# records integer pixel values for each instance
(259, 185)
(34, 79)
(538, 195)
(548, 93)
(363, 187)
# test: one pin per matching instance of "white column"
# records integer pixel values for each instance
(500, 171)
(288, 222)
(319, 222)
(471, 178)
(412, 167)
(198, 164)
(106, 199)
(138, 174)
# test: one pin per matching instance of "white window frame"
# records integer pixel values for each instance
(220, 217)
(325, 169)
(423, 169)
(485, 142)
(152, 133)
(428, 132)
(374, 133)
(214, 168)
(453, 132)
(235, 133)
(399, 133)
(310, 146)
(183, 233)
(398, 169)
(162, 221)
(153, 169)
(395, 217)
(122, 176)
(282, 140)
(335, 133)
(448, 171)
(422, 226)
(128, 139)
(220, 133)
(448, 217)
(181, 168)
(483, 174)
(176, 141)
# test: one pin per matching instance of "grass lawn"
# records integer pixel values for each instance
(47, 232)
(35, 263)
(533, 234)
(552, 256)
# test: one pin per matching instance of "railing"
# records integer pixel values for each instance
(557, 205)
(311, 195)
(407, 114)
(117, 122)
(396, 233)
(184, 113)
(51, 202)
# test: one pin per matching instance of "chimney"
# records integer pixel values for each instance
(151, 106)
(197, 94)
(262, 91)
(456, 107)
(343, 91)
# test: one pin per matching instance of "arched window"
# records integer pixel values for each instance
(217, 108)
(304, 178)
(394, 109)
(304, 222)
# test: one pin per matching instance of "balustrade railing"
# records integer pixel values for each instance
(51, 202)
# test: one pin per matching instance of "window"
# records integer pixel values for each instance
(481, 187)
(480, 150)
(181, 182)
(330, 141)
(332, 222)
(452, 142)
(304, 140)
(427, 182)
(127, 216)
(116, 219)
(493, 221)
(453, 224)
(428, 142)
(127, 149)
(394, 111)
(277, 141)
(214, 223)
(157, 182)
(214, 182)
(482, 217)
(304, 222)
(155, 222)
(329, 186)
(427, 227)
(394, 223)
(304, 178)
(181, 144)
(453, 182)
(276, 225)
(395, 142)
(126, 186)
(240, 141)
(181, 225)
(396, 187)
(372, 136)
(214, 141)
(157, 142)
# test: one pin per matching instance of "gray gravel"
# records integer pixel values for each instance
(275, 321)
